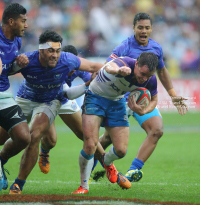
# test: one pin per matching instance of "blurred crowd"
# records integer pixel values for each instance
(95, 27)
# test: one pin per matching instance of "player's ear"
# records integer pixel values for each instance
(11, 21)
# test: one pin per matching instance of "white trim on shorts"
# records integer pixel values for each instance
(30, 108)
(70, 107)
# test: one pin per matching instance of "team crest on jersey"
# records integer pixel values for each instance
(74, 106)
(57, 76)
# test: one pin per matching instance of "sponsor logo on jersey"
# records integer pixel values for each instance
(32, 77)
(57, 76)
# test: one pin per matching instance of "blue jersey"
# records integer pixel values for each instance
(46, 84)
(131, 48)
(84, 75)
(8, 52)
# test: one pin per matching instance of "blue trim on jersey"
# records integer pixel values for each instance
(145, 117)
(86, 156)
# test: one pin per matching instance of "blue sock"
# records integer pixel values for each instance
(3, 161)
(136, 164)
(44, 151)
(101, 164)
(20, 183)
(95, 164)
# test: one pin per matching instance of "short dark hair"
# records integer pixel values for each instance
(149, 59)
(141, 16)
(13, 11)
(70, 49)
(49, 35)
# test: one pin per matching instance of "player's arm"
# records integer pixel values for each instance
(1, 66)
(152, 104)
(20, 62)
(78, 90)
(114, 69)
(140, 109)
(178, 101)
(89, 66)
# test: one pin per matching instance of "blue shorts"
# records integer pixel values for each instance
(114, 112)
(145, 117)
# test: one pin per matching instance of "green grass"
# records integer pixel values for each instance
(170, 174)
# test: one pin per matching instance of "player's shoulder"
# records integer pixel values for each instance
(154, 44)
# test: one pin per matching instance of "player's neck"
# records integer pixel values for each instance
(8, 32)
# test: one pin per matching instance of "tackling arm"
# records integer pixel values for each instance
(89, 66)
(114, 69)
(178, 101)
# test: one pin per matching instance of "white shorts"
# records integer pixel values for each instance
(70, 107)
(30, 108)
(6, 99)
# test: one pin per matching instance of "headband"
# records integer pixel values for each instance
(50, 45)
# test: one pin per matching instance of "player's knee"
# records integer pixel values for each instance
(157, 133)
(121, 152)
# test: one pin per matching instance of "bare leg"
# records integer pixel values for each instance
(39, 125)
(154, 129)
(19, 139)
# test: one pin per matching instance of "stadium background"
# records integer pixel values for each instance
(96, 27)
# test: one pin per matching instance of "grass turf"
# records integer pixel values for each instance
(170, 174)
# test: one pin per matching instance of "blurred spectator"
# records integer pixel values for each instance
(96, 27)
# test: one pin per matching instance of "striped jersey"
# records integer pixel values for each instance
(114, 87)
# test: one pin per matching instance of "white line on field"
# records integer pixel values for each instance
(99, 183)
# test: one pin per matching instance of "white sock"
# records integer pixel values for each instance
(86, 163)
(110, 156)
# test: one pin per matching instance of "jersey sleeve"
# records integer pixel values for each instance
(121, 50)
(152, 85)
(71, 61)
(84, 75)
(160, 59)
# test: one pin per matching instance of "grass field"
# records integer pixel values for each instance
(170, 174)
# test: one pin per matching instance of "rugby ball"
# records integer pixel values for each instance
(142, 96)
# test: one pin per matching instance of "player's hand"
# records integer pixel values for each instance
(124, 71)
(71, 73)
(179, 103)
(93, 76)
(139, 109)
(22, 60)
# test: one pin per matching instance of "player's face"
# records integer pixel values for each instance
(20, 25)
(49, 57)
(142, 31)
(142, 74)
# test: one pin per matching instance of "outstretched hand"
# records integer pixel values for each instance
(22, 60)
(179, 103)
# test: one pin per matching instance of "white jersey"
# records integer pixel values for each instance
(112, 87)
